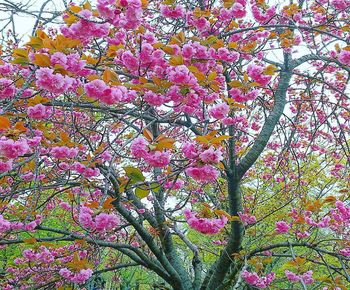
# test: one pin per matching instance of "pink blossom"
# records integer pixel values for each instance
(106, 222)
(6, 69)
(201, 24)
(31, 226)
(246, 218)
(174, 185)
(82, 276)
(5, 225)
(190, 150)
(282, 227)
(5, 166)
(13, 149)
(29, 254)
(219, 111)
(54, 83)
(238, 96)
(341, 4)
(181, 75)
(238, 10)
(7, 89)
(157, 158)
(227, 55)
(61, 152)
(39, 111)
(256, 72)
(154, 99)
(305, 277)
(85, 30)
(292, 276)
(85, 217)
(203, 174)
(211, 155)
(345, 252)
(187, 50)
(139, 147)
(259, 282)
(204, 225)
(95, 88)
(172, 12)
(130, 61)
(65, 273)
(59, 58)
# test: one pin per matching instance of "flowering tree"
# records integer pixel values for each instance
(201, 142)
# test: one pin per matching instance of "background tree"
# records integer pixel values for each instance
(202, 143)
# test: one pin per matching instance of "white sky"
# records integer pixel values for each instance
(23, 22)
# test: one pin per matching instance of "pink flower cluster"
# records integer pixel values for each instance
(256, 281)
(321, 224)
(12, 149)
(155, 99)
(340, 218)
(256, 72)
(108, 95)
(265, 16)
(345, 252)
(238, 10)
(282, 227)
(203, 174)
(211, 155)
(344, 57)
(71, 62)
(247, 219)
(341, 4)
(181, 75)
(219, 111)
(5, 166)
(81, 169)
(174, 185)
(103, 221)
(127, 16)
(172, 12)
(61, 152)
(306, 277)
(85, 30)
(205, 225)
(5, 225)
(53, 83)
(7, 89)
(39, 112)
(43, 255)
(139, 149)
(79, 277)
(241, 97)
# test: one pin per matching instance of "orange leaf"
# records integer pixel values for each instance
(108, 203)
(148, 134)
(20, 127)
(166, 143)
(92, 204)
(42, 60)
(330, 199)
(4, 123)
(177, 60)
(30, 241)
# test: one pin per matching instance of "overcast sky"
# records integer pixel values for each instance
(23, 22)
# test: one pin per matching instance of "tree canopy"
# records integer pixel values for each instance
(176, 145)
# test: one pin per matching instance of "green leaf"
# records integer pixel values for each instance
(142, 192)
(155, 186)
(134, 174)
